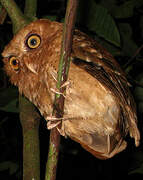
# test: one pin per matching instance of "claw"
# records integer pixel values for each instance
(61, 131)
(52, 125)
(67, 83)
(52, 121)
(51, 118)
(54, 75)
(57, 92)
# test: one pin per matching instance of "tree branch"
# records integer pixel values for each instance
(62, 77)
(30, 9)
(133, 57)
(17, 17)
(3, 14)
(30, 120)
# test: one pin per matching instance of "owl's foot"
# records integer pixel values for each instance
(61, 131)
(52, 124)
(57, 92)
(67, 83)
(54, 75)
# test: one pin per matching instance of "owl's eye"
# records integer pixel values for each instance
(14, 63)
(33, 41)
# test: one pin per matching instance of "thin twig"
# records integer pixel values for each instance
(135, 82)
(3, 15)
(62, 77)
(132, 58)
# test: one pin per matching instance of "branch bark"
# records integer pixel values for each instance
(30, 9)
(3, 15)
(62, 78)
(30, 120)
(17, 17)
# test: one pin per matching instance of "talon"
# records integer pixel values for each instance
(52, 125)
(67, 83)
(61, 131)
(51, 118)
(54, 75)
(57, 92)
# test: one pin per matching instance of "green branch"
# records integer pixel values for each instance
(62, 78)
(30, 9)
(17, 17)
(30, 120)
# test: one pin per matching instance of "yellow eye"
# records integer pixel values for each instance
(33, 41)
(14, 63)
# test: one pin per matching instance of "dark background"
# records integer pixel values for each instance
(122, 34)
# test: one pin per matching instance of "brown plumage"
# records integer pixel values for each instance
(99, 109)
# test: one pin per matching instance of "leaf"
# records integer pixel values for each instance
(138, 170)
(13, 167)
(9, 100)
(52, 18)
(126, 10)
(138, 162)
(129, 47)
(98, 19)
(104, 25)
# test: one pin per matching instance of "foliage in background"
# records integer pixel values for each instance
(116, 24)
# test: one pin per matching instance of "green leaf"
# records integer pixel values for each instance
(13, 167)
(103, 24)
(129, 47)
(9, 100)
(137, 163)
(97, 18)
(138, 170)
(126, 10)
(52, 18)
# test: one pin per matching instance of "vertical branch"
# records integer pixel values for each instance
(30, 120)
(62, 77)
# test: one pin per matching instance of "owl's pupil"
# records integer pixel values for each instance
(33, 42)
(14, 62)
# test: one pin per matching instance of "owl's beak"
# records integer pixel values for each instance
(31, 67)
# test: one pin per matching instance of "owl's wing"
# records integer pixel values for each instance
(90, 56)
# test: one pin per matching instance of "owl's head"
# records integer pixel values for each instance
(25, 55)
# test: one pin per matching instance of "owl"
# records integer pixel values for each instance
(99, 109)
